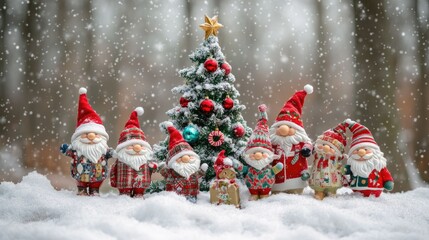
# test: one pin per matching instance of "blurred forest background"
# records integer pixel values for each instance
(367, 60)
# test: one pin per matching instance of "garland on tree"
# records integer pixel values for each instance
(208, 101)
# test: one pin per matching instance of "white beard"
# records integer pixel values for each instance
(286, 142)
(258, 164)
(187, 169)
(129, 157)
(92, 152)
(375, 160)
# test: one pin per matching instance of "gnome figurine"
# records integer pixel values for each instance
(224, 189)
(292, 144)
(260, 175)
(183, 166)
(131, 172)
(88, 150)
(326, 174)
(366, 164)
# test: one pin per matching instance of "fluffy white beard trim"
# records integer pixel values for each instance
(364, 168)
(286, 142)
(92, 152)
(187, 169)
(131, 159)
(258, 164)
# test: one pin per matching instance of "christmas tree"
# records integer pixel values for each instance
(209, 113)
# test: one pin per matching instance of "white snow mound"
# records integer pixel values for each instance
(33, 209)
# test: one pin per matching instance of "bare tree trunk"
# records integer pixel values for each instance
(93, 83)
(112, 89)
(421, 127)
(31, 36)
(62, 99)
(3, 25)
(375, 82)
(320, 74)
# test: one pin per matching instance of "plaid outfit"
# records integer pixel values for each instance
(123, 176)
(182, 186)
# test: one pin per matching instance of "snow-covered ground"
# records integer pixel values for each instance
(33, 209)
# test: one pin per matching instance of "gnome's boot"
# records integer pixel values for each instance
(264, 196)
(81, 191)
(295, 191)
(94, 191)
(138, 193)
(192, 199)
(253, 197)
(332, 193)
(319, 195)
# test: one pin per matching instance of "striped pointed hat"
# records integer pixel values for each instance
(132, 133)
(260, 138)
(362, 137)
(335, 137)
(292, 110)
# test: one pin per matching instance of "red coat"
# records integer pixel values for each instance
(294, 165)
(371, 185)
(86, 171)
(174, 182)
(123, 176)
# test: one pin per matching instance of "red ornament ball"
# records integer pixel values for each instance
(228, 103)
(225, 66)
(210, 65)
(184, 102)
(207, 106)
(239, 131)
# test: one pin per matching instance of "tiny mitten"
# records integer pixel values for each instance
(64, 147)
(277, 168)
(237, 165)
(305, 176)
(110, 153)
(306, 152)
(388, 185)
(153, 165)
(347, 170)
(204, 167)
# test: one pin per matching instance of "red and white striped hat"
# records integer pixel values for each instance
(335, 137)
(362, 137)
(291, 112)
(132, 133)
(260, 138)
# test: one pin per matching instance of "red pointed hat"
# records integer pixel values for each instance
(132, 133)
(177, 146)
(335, 137)
(362, 137)
(87, 119)
(260, 138)
(222, 162)
(292, 110)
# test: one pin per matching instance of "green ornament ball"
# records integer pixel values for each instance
(191, 134)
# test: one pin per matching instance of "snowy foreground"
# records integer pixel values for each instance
(33, 209)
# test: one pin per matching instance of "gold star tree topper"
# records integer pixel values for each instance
(211, 26)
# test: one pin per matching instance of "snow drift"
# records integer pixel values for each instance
(33, 209)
